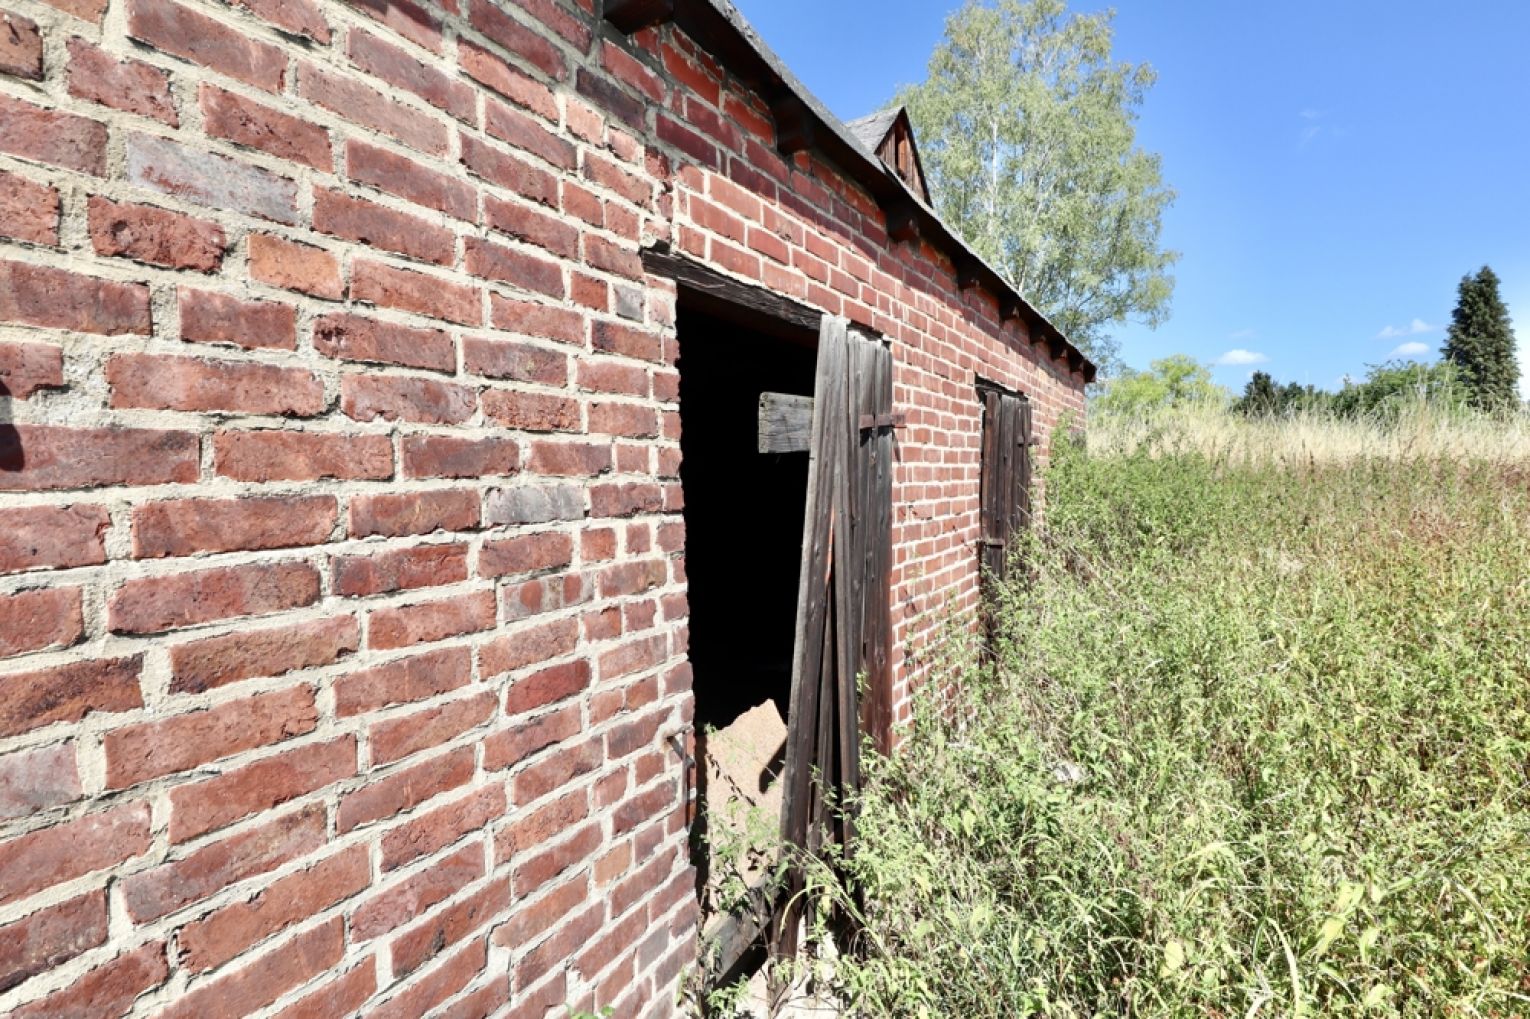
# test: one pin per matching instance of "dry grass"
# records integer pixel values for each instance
(1420, 432)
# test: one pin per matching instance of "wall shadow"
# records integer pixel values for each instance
(11, 456)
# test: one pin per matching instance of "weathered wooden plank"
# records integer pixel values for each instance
(811, 653)
(786, 423)
(712, 292)
(876, 711)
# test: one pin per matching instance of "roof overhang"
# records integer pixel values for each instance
(803, 122)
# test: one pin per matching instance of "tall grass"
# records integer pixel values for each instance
(1255, 742)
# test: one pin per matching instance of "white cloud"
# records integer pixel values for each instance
(1412, 349)
(1418, 327)
(1241, 356)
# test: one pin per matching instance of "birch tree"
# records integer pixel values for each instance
(1027, 132)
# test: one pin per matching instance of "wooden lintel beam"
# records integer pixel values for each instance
(795, 124)
(902, 222)
(634, 15)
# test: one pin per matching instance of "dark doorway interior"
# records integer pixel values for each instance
(743, 550)
(743, 515)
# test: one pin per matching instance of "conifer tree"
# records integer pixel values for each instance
(1480, 342)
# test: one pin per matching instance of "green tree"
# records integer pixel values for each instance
(1028, 138)
(1260, 397)
(1174, 381)
(1481, 342)
(1392, 387)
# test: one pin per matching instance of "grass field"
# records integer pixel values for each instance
(1257, 742)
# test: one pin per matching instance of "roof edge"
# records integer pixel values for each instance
(721, 28)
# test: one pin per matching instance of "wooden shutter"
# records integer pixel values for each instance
(843, 613)
(1005, 495)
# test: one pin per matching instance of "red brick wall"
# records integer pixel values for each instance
(342, 603)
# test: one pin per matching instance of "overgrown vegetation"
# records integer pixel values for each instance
(1256, 742)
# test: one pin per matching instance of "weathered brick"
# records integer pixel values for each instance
(354, 338)
(297, 17)
(396, 67)
(368, 397)
(188, 526)
(293, 266)
(40, 295)
(397, 175)
(448, 456)
(530, 645)
(51, 856)
(51, 936)
(520, 40)
(127, 85)
(506, 265)
(246, 654)
(369, 223)
(231, 116)
(545, 594)
(615, 338)
(52, 137)
(67, 693)
(147, 750)
(156, 236)
(427, 622)
(34, 780)
(409, 679)
(569, 459)
(425, 940)
(397, 738)
(524, 223)
(436, 829)
(526, 553)
(211, 317)
(109, 989)
(342, 996)
(28, 211)
(396, 515)
(535, 871)
(200, 39)
(607, 376)
(171, 886)
(416, 292)
(507, 170)
(436, 986)
(21, 48)
(302, 456)
(402, 790)
(26, 368)
(86, 10)
(532, 412)
(167, 382)
(489, 68)
(33, 620)
(509, 747)
(396, 905)
(398, 570)
(250, 988)
(624, 499)
(629, 420)
(157, 604)
(366, 106)
(534, 504)
(213, 940)
(217, 802)
(520, 362)
(210, 179)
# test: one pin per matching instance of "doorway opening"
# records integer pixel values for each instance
(744, 514)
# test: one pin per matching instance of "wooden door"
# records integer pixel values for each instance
(843, 614)
(1005, 495)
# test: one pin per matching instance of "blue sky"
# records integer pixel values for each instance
(1339, 164)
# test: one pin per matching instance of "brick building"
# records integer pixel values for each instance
(354, 590)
